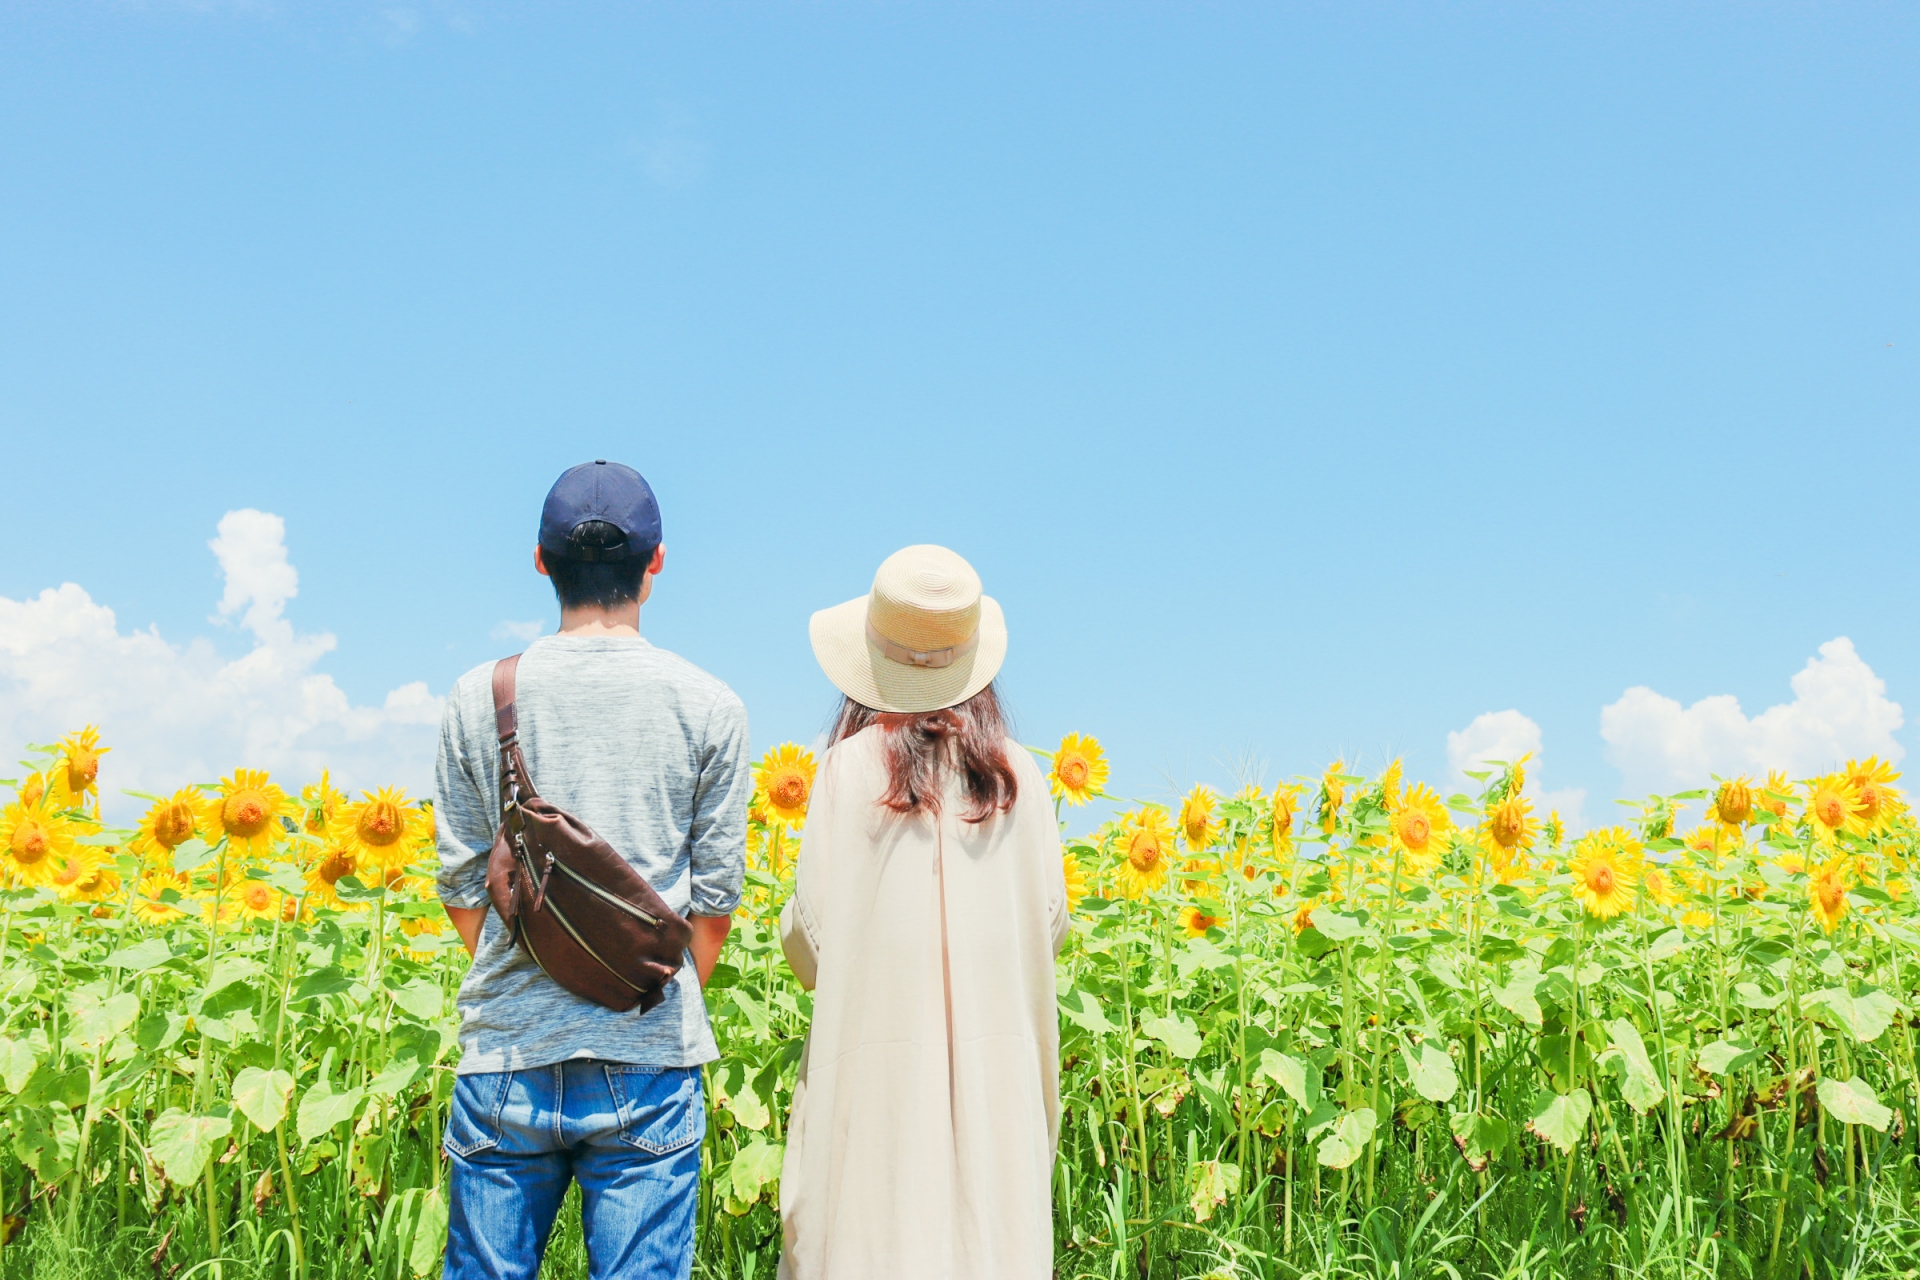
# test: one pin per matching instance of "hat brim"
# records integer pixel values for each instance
(874, 680)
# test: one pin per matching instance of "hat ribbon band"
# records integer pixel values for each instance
(917, 658)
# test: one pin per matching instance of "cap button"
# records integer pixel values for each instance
(599, 462)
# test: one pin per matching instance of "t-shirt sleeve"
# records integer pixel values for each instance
(463, 814)
(719, 833)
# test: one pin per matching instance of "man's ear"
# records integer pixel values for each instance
(539, 561)
(657, 563)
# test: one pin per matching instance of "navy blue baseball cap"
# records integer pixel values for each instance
(606, 491)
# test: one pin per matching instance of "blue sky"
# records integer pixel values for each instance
(1306, 380)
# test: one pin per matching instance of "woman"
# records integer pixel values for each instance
(928, 903)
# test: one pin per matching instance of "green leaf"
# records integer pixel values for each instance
(1518, 997)
(1430, 1068)
(1336, 925)
(17, 1061)
(1083, 1010)
(98, 1018)
(1560, 1118)
(1300, 1081)
(1178, 1033)
(181, 1143)
(400, 1073)
(1670, 942)
(1854, 1102)
(1865, 1016)
(192, 854)
(228, 970)
(1641, 1087)
(321, 982)
(261, 1096)
(429, 1235)
(321, 1109)
(422, 998)
(755, 1168)
(141, 956)
(754, 1012)
(1347, 1139)
(1480, 1137)
(46, 1139)
(1724, 1057)
(1209, 1183)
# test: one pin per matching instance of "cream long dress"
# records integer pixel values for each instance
(927, 1110)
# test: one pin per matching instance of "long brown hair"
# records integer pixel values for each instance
(918, 758)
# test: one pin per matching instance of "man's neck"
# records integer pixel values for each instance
(601, 622)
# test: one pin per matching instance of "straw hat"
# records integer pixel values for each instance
(924, 638)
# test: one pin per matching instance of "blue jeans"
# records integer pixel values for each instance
(630, 1136)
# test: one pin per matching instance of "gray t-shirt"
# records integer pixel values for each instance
(649, 751)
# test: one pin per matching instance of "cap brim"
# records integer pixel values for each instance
(873, 680)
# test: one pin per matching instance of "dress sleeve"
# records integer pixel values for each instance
(800, 919)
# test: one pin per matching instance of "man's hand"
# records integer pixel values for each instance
(709, 932)
(466, 923)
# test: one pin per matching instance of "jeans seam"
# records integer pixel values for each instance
(559, 1070)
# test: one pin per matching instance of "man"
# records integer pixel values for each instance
(651, 752)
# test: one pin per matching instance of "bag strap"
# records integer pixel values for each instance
(505, 722)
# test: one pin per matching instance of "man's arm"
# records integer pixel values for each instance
(709, 933)
(466, 923)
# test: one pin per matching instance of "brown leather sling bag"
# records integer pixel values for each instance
(569, 899)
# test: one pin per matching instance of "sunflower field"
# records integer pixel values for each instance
(1344, 1027)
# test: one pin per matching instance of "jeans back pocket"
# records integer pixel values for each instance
(473, 1121)
(660, 1107)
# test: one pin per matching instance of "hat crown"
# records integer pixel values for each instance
(925, 598)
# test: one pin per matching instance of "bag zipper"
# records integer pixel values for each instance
(608, 896)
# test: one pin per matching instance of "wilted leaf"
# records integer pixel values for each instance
(98, 1018)
(1209, 1183)
(45, 1139)
(429, 1235)
(756, 1167)
(17, 1061)
(180, 1143)
(1865, 1016)
(1479, 1137)
(1560, 1118)
(1641, 1087)
(1854, 1102)
(261, 1096)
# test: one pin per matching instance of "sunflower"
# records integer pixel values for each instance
(1079, 769)
(382, 829)
(1773, 797)
(1197, 921)
(1197, 827)
(1732, 805)
(1419, 825)
(79, 764)
(1555, 830)
(335, 863)
(1827, 892)
(785, 779)
(1661, 889)
(246, 813)
(422, 927)
(1880, 801)
(1076, 880)
(1333, 794)
(1145, 845)
(257, 900)
(1605, 867)
(147, 906)
(1697, 919)
(1791, 862)
(1509, 829)
(169, 824)
(1285, 801)
(1390, 786)
(73, 871)
(34, 835)
(1302, 917)
(321, 803)
(1833, 807)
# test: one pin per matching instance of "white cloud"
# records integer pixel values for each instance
(1507, 736)
(524, 632)
(183, 713)
(1839, 710)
